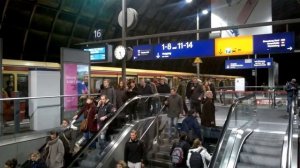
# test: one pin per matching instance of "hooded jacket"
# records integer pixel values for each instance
(205, 156)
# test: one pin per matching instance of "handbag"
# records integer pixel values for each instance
(84, 123)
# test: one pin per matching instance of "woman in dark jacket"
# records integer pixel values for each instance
(208, 111)
(35, 161)
(89, 112)
(120, 94)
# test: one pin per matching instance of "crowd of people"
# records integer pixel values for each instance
(61, 145)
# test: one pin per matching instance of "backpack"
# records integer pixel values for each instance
(177, 155)
(196, 160)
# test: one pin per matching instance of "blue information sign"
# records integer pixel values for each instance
(249, 63)
(263, 63)
(238, 64)
(174, 50)
(274, 43)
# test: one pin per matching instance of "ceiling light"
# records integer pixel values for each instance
(188, 1)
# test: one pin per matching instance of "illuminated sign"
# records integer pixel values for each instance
(238, 64)
(100, 54)
(274, 43)
(174, 50)
(234, 46)
(249, 63)
(263, 63)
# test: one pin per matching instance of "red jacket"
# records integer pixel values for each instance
(89, 112)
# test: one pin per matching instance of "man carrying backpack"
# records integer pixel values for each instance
(197, 156)
(179, 152)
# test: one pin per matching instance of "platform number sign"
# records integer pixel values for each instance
(98, 34)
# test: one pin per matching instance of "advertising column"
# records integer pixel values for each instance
(75, 72)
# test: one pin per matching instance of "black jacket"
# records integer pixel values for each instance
(68, 137)
(134, 151)
(106, 110)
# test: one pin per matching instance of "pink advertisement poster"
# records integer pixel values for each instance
(70, 87)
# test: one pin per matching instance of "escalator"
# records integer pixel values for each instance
(108, 153)
(247, 142)
(261, 149)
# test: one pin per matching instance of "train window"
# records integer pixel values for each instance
(8, 84)
(22, 83)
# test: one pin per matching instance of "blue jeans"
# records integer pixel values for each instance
(289, 103)
(88, 135)
(172, 125)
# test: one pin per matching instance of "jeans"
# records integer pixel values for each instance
(289, 103)
(172, 125)
(88, 135)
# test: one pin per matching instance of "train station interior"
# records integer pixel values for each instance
(81, 89)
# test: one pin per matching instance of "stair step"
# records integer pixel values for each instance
(160, 163)
(273, 143)
(266, 137)
(263, 150)
(259, 160)
(88, 164)
(162, 155)
(165, 148)
(245, 165)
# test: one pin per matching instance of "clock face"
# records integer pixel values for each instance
(120, 52)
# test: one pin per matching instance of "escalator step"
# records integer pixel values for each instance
(266, 136)
(259, 160)
(271, 143)
(244, 165)
(263, 150)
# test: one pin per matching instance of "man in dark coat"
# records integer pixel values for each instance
(68, 137)
(175, 107)
(109, 91)
(134, 151)
(292, 93)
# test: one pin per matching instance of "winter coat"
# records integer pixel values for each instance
(34, 164)
(197, 93)
(68, 137)
(111, 94)
(92, 121)
(208, 113)
(291, 89)
(205, 155)
(190, 123)
(175, 106)
(132, 93)
(165, 88)
(181, 90)
(145, 90)
(134, 151)
(106, 110)
(55, 158)
(120, 97)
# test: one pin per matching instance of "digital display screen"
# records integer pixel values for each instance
(97, 54)
(234, 46)
(274, 43)
(249, 63)
(174, 50)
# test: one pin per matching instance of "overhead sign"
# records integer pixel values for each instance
(249, 63)
(274, 43)
(174, 50)
(234, 46)
(263, 63)
(239, 84)
(238, 64)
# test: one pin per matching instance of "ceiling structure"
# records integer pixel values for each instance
(36, 29)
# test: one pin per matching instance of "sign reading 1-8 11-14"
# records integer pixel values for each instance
(174, 50)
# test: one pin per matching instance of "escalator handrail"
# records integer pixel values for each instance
(290, 133)
(150, 125)
(85, 147)
(226, 124)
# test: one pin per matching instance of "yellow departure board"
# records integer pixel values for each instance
(234, 46)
